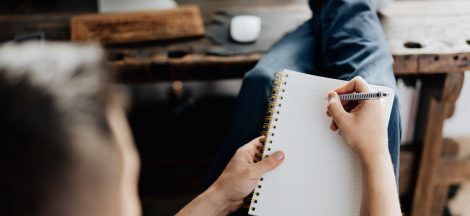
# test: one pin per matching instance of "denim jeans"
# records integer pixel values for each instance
(343, 39)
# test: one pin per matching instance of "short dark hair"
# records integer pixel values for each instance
(51, 96)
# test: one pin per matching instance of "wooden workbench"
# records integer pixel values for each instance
(430, 41)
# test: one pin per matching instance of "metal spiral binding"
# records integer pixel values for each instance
(268, 130)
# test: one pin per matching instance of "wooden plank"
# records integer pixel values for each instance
(432, 143)
(439, 97)
(433, 35)
(405, 64)
(440, 199)
(407, 159)
(458, 62)
(427, 8)
(450, 149)
(431, 63)
(427, 27)
(54, 26)
(188, 67)
(182, 22)
(48, 6)
(200, 66)
(453, 171)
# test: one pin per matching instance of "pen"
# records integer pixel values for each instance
(363, 96)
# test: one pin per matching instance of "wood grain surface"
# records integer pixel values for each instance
(181, 22)
(430, 27)
(438, 96)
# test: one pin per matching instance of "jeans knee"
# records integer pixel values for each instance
(356, 3)
(259, 76)
(347, 8)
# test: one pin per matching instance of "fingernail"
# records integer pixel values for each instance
(279, 155)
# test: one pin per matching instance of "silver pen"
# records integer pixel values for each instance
(363, 96)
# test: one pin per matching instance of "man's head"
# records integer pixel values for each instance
(65, 146)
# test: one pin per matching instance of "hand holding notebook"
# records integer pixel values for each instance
(236, 182)
(320, 174)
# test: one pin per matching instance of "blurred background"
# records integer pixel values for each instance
(179, 118)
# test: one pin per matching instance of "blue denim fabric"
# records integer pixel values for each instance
(343, 39)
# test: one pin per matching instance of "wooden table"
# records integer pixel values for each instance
(430, 41)
(154, 62)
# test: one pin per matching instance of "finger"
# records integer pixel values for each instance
(333, 126)
(268, 164)
(345, 103)
(350, 106)
(252, 146)
(335, 108)
(357, 84)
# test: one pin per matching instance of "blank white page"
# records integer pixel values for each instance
(320, 175)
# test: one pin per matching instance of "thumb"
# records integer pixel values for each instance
(268, 164)
(335, 108)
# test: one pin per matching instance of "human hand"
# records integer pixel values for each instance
(235, 183)
(242, 173)
(362, 124)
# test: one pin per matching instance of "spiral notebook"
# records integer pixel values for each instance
(320, 175)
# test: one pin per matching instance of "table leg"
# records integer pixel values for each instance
(438, 95)
(440, 200)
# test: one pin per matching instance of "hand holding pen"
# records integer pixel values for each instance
(361, 121)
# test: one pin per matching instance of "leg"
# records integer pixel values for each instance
(295, 52)
(352, 44)
(343, 40)
(437, 99)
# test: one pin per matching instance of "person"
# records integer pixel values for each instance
(364, 129)
(66, 147)
(342, 40)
